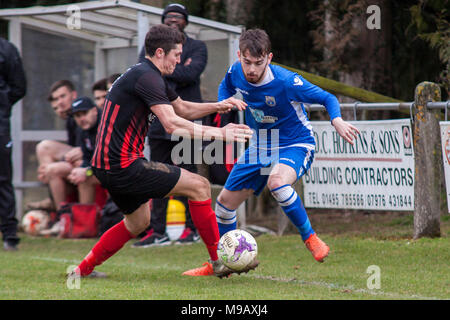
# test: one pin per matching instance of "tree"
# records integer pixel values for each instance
(430, 21)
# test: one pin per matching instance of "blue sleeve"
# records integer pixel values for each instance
(226, 89)
(303, 91)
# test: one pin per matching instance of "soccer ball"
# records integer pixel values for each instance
(237, 248)
(35, 221)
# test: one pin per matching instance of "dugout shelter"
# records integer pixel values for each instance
(84, 42)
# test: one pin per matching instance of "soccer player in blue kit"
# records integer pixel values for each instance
(282, 147)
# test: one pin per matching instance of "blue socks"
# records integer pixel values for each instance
(226, 218)
(292, 205)
(289, 201)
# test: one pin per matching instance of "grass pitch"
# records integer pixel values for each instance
(408, 270)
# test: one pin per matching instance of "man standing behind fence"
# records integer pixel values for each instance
(12, 89)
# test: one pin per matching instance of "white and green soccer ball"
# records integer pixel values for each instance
(236, 249)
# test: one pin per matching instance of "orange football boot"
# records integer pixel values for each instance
(318, 248)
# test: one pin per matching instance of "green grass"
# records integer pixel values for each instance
(409, 270)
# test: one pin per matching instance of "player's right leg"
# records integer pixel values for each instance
(245, 179)
(226, 205)
(198, 191)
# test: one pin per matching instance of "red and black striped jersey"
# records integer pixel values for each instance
(126, 115)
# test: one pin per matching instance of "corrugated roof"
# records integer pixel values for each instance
(109, 19)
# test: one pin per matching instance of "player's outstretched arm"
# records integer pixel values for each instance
(195, 110)
(175, 124)
(345, 129)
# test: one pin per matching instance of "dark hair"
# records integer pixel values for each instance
(164, 37)
(59, 84)
(256, 41)
(100, 85)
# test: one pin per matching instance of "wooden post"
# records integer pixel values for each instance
(428, 162)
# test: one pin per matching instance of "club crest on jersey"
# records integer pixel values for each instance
(270, 101)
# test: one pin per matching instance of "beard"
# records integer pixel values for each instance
(254, 78)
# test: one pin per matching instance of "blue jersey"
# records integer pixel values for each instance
(275, 108)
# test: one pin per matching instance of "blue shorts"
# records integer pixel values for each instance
(253, 168)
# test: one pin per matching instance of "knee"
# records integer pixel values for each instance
(51, 171)
(57, 169)
(202, 188)
(43, 147)
(136, 227)
(224, 199)
(275, 181)
(221, 199)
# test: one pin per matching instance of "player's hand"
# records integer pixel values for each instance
(237, 132)
(229, 104)
(77, 175)
(345, 130)
(74, 155)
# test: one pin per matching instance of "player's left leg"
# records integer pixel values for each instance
(280, 181)
(280, 185)
(226, 205)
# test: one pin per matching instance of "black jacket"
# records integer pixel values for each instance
(88, 138)
(12, 82)
(74, 132)
(185, 80)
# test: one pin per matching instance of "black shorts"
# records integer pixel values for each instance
(138, 183)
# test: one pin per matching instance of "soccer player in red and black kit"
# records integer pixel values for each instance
(133, 101)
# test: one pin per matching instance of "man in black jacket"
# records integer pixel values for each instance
(12, 89)
(87, 117)
(185, 80)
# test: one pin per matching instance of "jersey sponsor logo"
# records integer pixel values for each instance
(261, 118)
(298, 81)
(270, 101)
(242, 91)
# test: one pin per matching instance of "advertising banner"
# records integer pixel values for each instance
(445, 138)
(376, 173)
